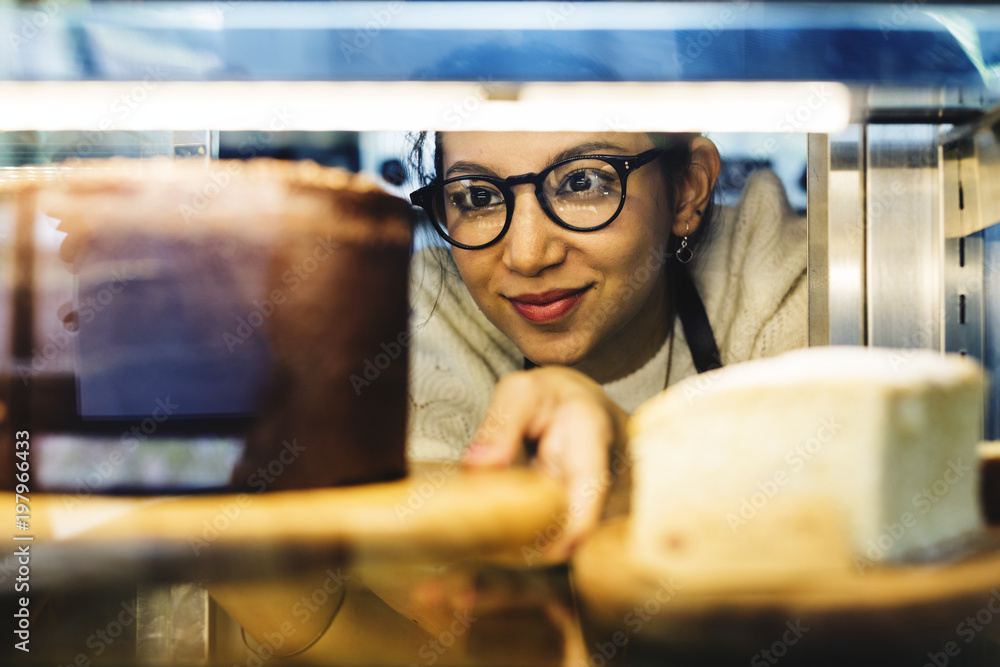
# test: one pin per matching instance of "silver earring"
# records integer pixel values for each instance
(684, 254)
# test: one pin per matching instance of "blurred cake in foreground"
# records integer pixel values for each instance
(817, 457)
(265, 288)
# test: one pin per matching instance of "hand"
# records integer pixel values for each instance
(535, 605)
(70, 250)
(77, 237)
(576, 427)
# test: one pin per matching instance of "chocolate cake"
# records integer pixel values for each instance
(265, 289)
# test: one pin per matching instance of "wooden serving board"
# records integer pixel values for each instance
(884, 606)
(436, 514)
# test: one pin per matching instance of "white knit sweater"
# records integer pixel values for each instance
(751, 275)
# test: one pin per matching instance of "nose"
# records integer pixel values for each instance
(534, 242)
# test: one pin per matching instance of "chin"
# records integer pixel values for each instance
(554, 352)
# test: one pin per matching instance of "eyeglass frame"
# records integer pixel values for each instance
(624, 165)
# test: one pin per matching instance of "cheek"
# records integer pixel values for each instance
(639, 245)
(633, 262)
(475, 267)
(650, 203)
(631, 284)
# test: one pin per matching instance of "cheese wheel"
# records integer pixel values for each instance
(813, 457)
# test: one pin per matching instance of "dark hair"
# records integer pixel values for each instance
(674, 163)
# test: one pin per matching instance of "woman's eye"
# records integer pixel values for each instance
(480, 197)
(580, 182)
(475, 197)
(583, 181)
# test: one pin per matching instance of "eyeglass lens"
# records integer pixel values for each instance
(582, 193)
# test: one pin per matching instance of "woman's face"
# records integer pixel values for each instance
(593, 300)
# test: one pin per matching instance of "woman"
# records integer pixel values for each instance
(597, 277)
(586, 260)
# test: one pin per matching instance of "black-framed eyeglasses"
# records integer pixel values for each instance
(582, 194)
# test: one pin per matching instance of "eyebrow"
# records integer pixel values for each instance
(471, 168)
(465, 167)
(589, 148)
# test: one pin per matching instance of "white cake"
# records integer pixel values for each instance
(816, 457)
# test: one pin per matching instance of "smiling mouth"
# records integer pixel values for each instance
(547, 307)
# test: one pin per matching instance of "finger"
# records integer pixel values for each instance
(576, 451)
(518, 410)
(77, 235)
(69, 316)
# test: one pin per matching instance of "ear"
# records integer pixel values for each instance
(695, 189)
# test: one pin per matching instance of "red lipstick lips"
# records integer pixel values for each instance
(547, 307)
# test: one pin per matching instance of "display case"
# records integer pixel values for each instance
(879, 118)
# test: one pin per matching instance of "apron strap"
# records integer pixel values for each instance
(694, 321)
